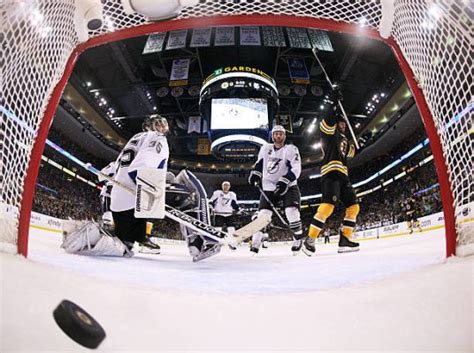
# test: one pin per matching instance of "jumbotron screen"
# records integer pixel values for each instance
(239, 113)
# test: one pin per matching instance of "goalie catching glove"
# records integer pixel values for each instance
(255, 178)
(281, 187)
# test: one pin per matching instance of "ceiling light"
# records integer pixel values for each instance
(321, 107)
(382, 94)
(88, 83)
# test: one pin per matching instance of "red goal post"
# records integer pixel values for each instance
(432, 41)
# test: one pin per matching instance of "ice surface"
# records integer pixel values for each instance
(395, 294)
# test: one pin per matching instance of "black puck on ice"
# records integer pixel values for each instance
(78, 324)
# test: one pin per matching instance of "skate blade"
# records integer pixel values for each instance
(347, 249)
(204, 255)
(149, 251)
(307, 252)
(296, 253)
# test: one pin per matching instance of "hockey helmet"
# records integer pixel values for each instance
(156, 122)
(279, 128)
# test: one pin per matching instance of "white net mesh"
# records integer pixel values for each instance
(38, 37)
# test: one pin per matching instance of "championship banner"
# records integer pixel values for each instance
(203, 146)
(320, 40)
(194, 124)
(201, 37)
(154, 43)
(179, 72)
(285, 121)
(273, 37)
(298, 38)
(298, 71)
(224, 36)
(177, 39)
(250, 35)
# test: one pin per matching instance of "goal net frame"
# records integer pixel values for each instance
(136, 25)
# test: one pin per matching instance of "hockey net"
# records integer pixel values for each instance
(38, 38)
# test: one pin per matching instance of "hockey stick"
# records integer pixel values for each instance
(339, 102)
(202, 228)
(274, 208)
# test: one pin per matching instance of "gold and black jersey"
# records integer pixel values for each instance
(336, 148)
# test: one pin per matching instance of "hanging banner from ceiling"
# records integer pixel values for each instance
(286, 121)
(298, 71)
(201, 37)
(224, 36)
(273, 37)
(194, 124)
(179, 72)
(250, 36)
(320, 40)
(177, 39)
(298, 38)
(203, 146)
(154, 43)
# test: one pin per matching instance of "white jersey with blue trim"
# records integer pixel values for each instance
(284, 162)
(110, 170)
(224, 204)
(144, 150)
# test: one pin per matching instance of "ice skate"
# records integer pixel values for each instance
(195, 244)
(308, 246)
(346, 245)
(296, 246)
(208, 251)
(253, 251)
(148, 247)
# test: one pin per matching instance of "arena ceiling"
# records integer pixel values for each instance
(122, 85)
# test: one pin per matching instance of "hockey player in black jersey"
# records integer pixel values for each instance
(411, 211)
(335, 184)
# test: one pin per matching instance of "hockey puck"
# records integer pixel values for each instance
(78, 324)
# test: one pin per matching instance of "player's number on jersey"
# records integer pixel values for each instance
(127, 158)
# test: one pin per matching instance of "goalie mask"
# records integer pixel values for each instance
(156, 123)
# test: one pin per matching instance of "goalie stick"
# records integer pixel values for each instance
(202, 228)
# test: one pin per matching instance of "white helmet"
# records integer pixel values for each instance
(278, 128)
(224, 183)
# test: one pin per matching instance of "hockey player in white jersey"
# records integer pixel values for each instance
(104, 196)
(148, 149)
(276, 172)
(224, 204)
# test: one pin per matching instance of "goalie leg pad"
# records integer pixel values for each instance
(83, 238)
(107, 246)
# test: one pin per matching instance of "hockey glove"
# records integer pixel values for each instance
(281, 187)
(255, 178)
